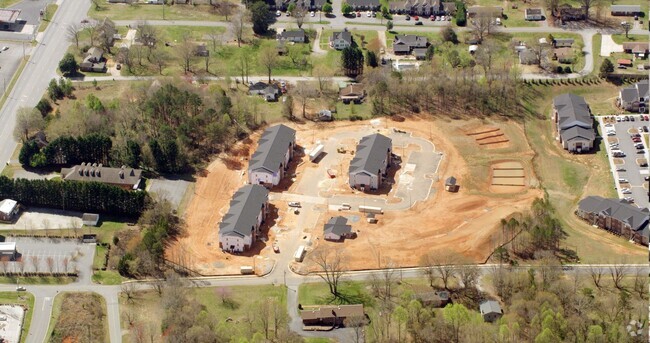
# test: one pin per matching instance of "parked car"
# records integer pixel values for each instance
(358, 14)
(643, 164)
(647, 178)
(345, 207)
(418, 23)
(629, 199)
(5, 48)
(294, 204)
(645, 128)
(368, 14)
(408, 17)
(622, 180)
(432, 17)
(20, 288)
(618, 119)
(641, 151)
(278, 13)
(416, 18)
(276, 248)
(631, 118)
(626, 191)
(312, 14)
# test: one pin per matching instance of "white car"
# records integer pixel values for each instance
(5, 48)
(278, 13)
(609, 125)
(312, 14)
(626, 191)
(629, 199)
(294, 204)
(368, 14)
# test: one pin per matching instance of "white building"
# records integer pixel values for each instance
(8, 209)
(240, 227)
(271, 159)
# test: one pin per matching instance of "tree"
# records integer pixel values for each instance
(606, 68)
(482, 26)
(484, 56)
(44, 107)
(356, 323)
(627, 26)
(303, 91)
(456, 315)
(468, 275)
(291, 7)
(371, 59)
(352, 61)
(215, 37)
(299, 14)
(28, 121)
(73, 31)
(436, 266)
(225, 8)
(185, 52)
(449, 35)
(596, 275)
(287, 107)
(461, 16)
(68, 65)
(346, 8)
(587, 5)
(237, 28)
(552, 6)
(617, 272)
(327, 9)
(389, 25)
(148, 36)
(430, 51)
(92, 26)
(260, 17)
(453, 58)
(401, 316)
(159, 58)
(330, 264)
(268, 58)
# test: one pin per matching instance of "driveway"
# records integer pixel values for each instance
(44, 218)
(608, 46)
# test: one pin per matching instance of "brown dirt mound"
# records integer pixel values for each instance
(489, 137)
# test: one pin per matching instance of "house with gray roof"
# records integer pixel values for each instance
(625, 10)
(240, 227)
(533, 14)
(404, 44)
(635, 98)
(371, 161)
(364, 5)
(126, 178)
(337, 229)
(271, 159)
(617, 216)
(528, 57)
(422, 7)
(341, 40)
(563, 42)
(296, 36)
(573, 122)
(490, 311)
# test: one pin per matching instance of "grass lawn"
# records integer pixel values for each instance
(629, 70)
(597, 42)
(344, 111)
(49, 13)
(153, 12)
(620, 38)
(317, 293)
(104, 232)
(107, 277)
(513, 17)
(36, 280)
(100, 257)
(569, 178)
(24, 299)
(317, 340)
(579, 60)
(70, 311)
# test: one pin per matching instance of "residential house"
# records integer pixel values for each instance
(341, 40)
(257, 88)
(271, 93)
(271, 159)
(126, 178)
(364, 5)
(371, 162)
(241, 226)
(94, 61)
(404, 44)
(337, 229)
(90, 219)
(625, 10)
(490, 311)
(528, 57)
(563, 42)
(296, 36)
(353, 92)
(616, 216)
(419, 53)
(451, 184)
(331, 315)
(638, 49)
(491, 11)
(624, 62)
(423, 8)
(533, 14)
(568, 13)
(9, 20)
(435, 299)
(201, 50)
(8, 210)
(635, 98)
(573, 122)
(563, 55)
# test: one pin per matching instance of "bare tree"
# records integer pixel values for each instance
(225, 8)
(356, 323)
(299, 15)
(303, 91)
(21, 266)
(596, 275)
(147, 35)
(244, 66)
(237, 27)
(627, 26)
(128, 290)
(73, 32)
(28, 122)
(383, 282)
(160, 58)
(468, 275)
(641, 284)
(323, 75)
(587, 5)
(129, 316)
(485, 56)
(185, 52)
(66, 262)
(50, 264)
(552, 5)
(91, 27)
(330, 263)
(482, 26)
(438, 267)
(35, 260)
(268, 58)
(541, 51)
(215, 37)
(617, 272)
(264, 314)
(280, 317)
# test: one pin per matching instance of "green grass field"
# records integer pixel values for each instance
(153, 12)
(620, 38)
(100, 256)
(317, 293)
(24, 299)
(107, 277)
(49, 13)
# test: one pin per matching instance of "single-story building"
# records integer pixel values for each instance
(336, 229)
(90, 219)
(8, 250)
(451, 185)
(126, 178)
(371, 162)
(573, 122)
(420, 53)
(435, 299)
(638, 49)
(8, 210)
(563, 42)
(566, 12)
(490, 311)
(9, 19)
(528, 57)
(491, 11)
(201, 50)
(341, 40)
(241, 225)
(533, 14)
(257, 88)
(635, 98)
(353, 92)
(271, 93)
(271, 159)
(296, 36)
(624, 62)
(625, 10)
(563, 55)
(93, 62)
(330, 315)
(404, 44)
(617, 216)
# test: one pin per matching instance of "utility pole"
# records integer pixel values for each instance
(163, 6)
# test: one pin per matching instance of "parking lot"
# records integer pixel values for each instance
(47, 254)
(11, 322)
(627, 152)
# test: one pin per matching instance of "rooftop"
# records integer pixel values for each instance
(633, 216)
(244, 209)
(97, 172)
(7, 205)
(8, 15)
(490, 306)
(331, 311)
(371, 154)
(272, 147)
(338, 225)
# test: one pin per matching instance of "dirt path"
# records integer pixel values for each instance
(316, 50)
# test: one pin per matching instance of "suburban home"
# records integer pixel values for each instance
(90, 219)
(625, 10)
(573, 122)
(490, 311)
(528, 57)
(93, 61)
(566, 12)
(271, 159)
(638, 49)
(337, 229)
(370, 162)
(8, 210)
(616, 216)
(257, 88)
(533, 14)
(270, 92)
(125, 178)
(624, 62)
(491, 11)
(434, 299)
(341, 40)
(635, 98)
(563, 55)
(8, 251)
(296, 36)
(241, 225)
(201, 50)
(563, 42)
(404, 44)
(353, 92)
(451, 185)
(331, 315)
(364, 5)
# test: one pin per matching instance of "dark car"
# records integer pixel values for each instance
(643, 164)
(645, 128)
(408, 17)
(418, 23)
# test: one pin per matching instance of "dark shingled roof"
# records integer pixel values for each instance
(532, 11)
(338, 225)
(258, 86)
(345, 35)
(625, 8)
(363, 3)
(371, 154)
(451, 181)
(573, 112)
(331, 311)
(273, 146)
(620, 210)
(412, 41)
(293, 33)
(635, 92)
(245, 206)
(490, 306)
(99, 173)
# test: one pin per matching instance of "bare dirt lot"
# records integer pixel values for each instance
(465, 222)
